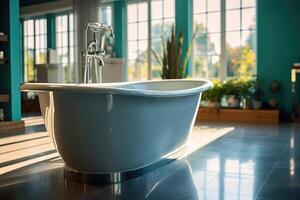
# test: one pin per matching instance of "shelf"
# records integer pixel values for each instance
(4, 98)
(3, 38)
(3, 61)
(237, 115)
(11, 126)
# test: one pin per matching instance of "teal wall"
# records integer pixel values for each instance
(183, 21)
(278, 44)
(120, 32)
(50, 30)
(10, 73)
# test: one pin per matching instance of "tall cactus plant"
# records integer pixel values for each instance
(172, 65)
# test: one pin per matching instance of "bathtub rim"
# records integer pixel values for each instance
(116, 88)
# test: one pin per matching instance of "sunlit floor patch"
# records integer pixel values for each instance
(202, 136)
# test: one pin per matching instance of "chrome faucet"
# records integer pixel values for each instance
(94, 52)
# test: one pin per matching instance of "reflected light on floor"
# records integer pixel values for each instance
(292, 167)
(201, 136)
(23, 150)
(33, 121)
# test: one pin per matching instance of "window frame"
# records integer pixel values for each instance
(68, 31)
(223, 70)
(111, 5)
(149, 39)
(25, 70)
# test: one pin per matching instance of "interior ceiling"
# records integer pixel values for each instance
(31, 2)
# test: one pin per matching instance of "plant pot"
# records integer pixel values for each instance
(213, 104)
(233, 101)
(256, 104)
(273, 103)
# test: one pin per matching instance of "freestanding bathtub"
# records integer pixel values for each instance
(114, 128)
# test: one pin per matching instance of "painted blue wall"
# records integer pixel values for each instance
(183, 21)
(120, 32)
(15, 59)
(278, 45)
(10, 73)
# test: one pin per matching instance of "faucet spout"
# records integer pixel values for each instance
(93, 54)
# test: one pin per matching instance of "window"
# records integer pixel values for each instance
(162, 20)
(105, 14)
(146, 22)
(35, 46)
(64, 29)
(225, 42)
(106, 17)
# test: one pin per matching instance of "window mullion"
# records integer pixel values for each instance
(149, 41)
(34, 51)
(223, 64)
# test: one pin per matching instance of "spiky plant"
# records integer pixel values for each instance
(172, 65)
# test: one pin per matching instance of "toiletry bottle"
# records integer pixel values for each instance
(1, 115)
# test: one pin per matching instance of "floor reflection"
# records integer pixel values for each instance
(251, 162)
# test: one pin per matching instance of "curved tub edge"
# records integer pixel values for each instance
(117, 177)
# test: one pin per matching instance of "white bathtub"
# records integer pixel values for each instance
(119, 127)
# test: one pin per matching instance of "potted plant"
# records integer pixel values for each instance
(213, 96)
(232, 92)
(274, 89)
(256, 94)
(172, 61)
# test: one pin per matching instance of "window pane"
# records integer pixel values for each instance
(231, 4)
(156, 9)
(214, 22)
(233, 39)
(155, 64)
(72, 55)
(105, 15)
(214, 44)
(199, 6)
(248, 38)
(65, 39)
(143, 59)
(43, 26)
(143, 30)
(71, 34)
(44, 42)
(30, 42)
(132, 31)
(30, 27)
(64, 23)
(37, 27)
(71, 21)
(234, 55)
(37, 42)
(169, 8)
(233, 20)
(156, 28)
(200, 20)
(143, 12)
(132, 13)
(132, 50)
(248, 3)
(213, 5)
(143, 46)
(248, 62)
(213, 66)
(248, 18)
(168, 23)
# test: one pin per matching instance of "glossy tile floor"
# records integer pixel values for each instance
(250, 162)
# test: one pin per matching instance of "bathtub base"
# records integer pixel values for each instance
(117, 177)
